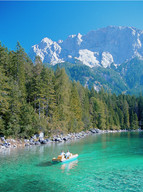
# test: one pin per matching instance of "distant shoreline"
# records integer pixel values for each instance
(11, 144)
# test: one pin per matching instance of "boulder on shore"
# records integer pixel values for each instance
(27, 144)
(37, 143)
(32, 143)
(43, 142)
(41, 135)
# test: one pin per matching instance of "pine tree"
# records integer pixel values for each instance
(49, 97)
(20, 61)
(17, 61)
(4, 98)
(133, 121)
(13, 116)
(126, 114)
(4, 58)
(29, 122)
(86, 116)
(75, 109)
(62, 89)
(97, 110)
(35, 87)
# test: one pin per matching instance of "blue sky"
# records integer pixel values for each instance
(29, 22)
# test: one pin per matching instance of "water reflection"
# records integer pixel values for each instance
(65, 167)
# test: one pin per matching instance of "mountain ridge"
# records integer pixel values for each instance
(126, 79)
(102, 47)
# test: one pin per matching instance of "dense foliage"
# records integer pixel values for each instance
(34, 98)
(125, 79)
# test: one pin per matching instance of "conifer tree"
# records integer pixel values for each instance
(4, 98)
(13, 116)
(62, 89)
(75, 109)
(4, 58)
(126, 114)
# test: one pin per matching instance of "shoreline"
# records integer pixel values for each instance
(11, 144)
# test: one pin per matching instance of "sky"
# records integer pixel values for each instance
(30, 22)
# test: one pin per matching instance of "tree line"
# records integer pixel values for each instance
(34, 98)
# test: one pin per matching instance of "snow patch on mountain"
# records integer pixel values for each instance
(97, 48)
(48, 50)
(107, 59)
(88, 57)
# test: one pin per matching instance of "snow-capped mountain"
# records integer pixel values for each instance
(97, 48)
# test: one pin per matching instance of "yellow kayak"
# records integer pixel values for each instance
(61, 158)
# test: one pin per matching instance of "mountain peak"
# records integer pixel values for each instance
(47, 40)
(112, 44)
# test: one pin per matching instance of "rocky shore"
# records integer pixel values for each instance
(39, 139)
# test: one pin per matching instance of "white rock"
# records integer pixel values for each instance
(107, 59)
(88, 58)
(41, 135)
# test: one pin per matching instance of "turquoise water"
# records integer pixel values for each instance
(107, 162)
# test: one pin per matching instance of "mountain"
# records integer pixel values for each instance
(126, 79)
(103, 47)
(110, 57)
(107, 78)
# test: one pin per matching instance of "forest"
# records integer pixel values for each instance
(35, 98)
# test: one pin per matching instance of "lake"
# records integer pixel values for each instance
(106, 162)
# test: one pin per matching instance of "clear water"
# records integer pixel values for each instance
(107, 162)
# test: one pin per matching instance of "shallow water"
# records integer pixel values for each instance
(107, 162)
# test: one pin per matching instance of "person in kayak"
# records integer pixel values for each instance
(67, 154)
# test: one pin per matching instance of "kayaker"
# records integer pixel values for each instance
(67, 154)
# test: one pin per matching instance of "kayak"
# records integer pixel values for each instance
(61, 158)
